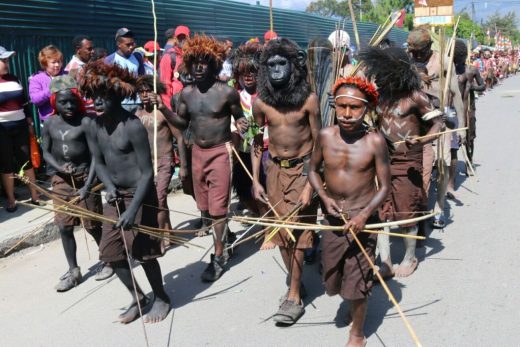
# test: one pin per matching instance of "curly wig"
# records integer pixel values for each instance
(244, 60)
(98, 76)
(147, 81)
(202, 46)
(296, 92)
(361, 84)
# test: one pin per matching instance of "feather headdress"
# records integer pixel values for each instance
(98, 76)
(393, 71)
(244, 58)
(202, 46)
(360, 83)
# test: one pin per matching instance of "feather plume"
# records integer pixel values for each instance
(393, 71)
(202, 46)
(98, 76)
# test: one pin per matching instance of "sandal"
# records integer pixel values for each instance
(438, 221)
(12, 209)
(289, 313)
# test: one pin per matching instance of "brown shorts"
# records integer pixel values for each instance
(162, 180)
(211, 169)
(346, 271)
(62, 186)
(141, 247)
(407, 197)
(284, 186)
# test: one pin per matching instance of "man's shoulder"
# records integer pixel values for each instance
(109, 59)
(329, 131)
(374, 137)
(419, 97)
(52, 121)
(133, 122)
(312, 99)
(87, 120)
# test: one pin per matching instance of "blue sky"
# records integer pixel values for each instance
(482, 8)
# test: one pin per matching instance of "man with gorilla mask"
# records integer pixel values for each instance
(285, 102)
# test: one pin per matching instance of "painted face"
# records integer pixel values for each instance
(66, 104)
(249, 80)
(350, 112)
(144, 94)
(4, 66)
(105, 102)
(86, 51)
(181, 40)
(53, 67)
(279, 69)
(126, 45)
(421, 55)
(200, 70)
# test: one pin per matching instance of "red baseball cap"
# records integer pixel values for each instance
(182, 30)
(269, 35)
(149, 46)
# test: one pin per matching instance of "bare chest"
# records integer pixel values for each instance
(211, 104)
(355, 157)
(115, 143)
(292, 118)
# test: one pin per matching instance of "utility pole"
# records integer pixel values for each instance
(473, 11)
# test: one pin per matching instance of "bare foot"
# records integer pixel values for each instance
(356, 341)
(450, 194)
(267, 245)
(158, 312)
(386, 271)
(132, 312)
(406, 268)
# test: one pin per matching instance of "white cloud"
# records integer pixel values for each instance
(285, 4)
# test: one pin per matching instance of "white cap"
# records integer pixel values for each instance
(343, 36)
(4, 53)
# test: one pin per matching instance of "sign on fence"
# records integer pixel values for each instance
(433, 12)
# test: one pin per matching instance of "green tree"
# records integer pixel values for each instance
(381, 9)
(340, 8)
(505, 24)
(467, 27)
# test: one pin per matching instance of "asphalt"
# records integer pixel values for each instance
(464, 292)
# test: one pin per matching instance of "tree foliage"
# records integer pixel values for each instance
(339, 8)
(377, 11)
(372, 11)
(467, 27)
(505, 24)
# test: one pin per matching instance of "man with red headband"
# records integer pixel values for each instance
(69, 162)
(352, 156)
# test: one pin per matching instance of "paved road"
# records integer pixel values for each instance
(464, 293)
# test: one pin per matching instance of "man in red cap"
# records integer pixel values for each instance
(170, 62)
(148, 51)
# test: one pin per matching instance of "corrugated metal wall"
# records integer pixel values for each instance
(28, 25)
